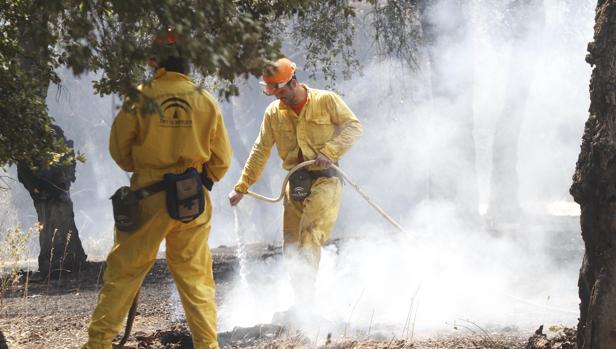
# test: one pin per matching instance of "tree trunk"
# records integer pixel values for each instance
(594, 188)
(526, 23)
(453, 174)
(504, 202)
(61, 248)
(49, 186)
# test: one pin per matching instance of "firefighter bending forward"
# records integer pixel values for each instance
(304, 124)
(189, 132)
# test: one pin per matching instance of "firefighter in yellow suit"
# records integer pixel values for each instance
(188, 133)
(304, 124)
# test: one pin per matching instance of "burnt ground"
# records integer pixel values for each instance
(43, 313)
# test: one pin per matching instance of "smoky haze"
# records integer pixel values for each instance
(512, 271)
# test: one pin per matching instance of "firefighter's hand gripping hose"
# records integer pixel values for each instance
(346, 178)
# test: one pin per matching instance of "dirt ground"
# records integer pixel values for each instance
(55, 313)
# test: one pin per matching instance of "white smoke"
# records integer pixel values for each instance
(445, 270)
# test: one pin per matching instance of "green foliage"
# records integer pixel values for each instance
(25, 72)
(325, 33)
(24, 122)
(398, 30)
(224, 39)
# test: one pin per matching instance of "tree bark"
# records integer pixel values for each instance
(61, 248)
(49, 187)
(594, 188)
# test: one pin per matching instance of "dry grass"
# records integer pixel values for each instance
(14, 255)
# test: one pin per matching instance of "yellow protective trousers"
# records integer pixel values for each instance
(307, 225)
(133, 254)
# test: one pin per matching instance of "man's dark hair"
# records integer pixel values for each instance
(176, 64)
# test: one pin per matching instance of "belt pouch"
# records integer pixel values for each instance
(299, 184)
(185, 200)
(125, 209)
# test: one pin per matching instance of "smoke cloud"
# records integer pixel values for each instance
(445, 269)
(520, 272)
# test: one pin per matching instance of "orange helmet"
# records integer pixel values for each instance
(166, 42)
(283, 73)
(165, 37)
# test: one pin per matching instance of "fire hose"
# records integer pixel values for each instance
(346, 178)
(133, 309)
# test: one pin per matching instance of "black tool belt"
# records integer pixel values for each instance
(126, 202)
(150, 190)
(143, 193)
(328, 172)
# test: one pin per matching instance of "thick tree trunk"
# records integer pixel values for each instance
(594, 188)
(61, 248)
(504, 202)
(49, 187)
(453, 174)
(526, 24)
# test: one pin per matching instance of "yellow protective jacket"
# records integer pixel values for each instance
(188, 132)
(325, 125)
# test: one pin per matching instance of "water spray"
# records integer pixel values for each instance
(241, 247)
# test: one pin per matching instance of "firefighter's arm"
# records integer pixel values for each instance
(348, 128)
(123, 134)
(220, 160)
(258, 157)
